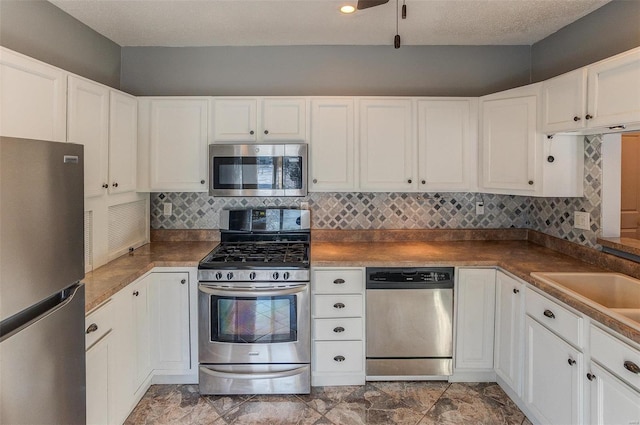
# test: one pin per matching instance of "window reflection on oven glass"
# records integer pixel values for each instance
(253, 319)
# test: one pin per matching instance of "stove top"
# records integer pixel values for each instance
(258, 255)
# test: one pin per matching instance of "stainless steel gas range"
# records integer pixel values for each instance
(254, 306)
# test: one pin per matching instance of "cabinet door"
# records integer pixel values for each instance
(387, 146)
(169, 308)
(475, 318)
(612, 401)
(444, 145)
(98, 386)
(142, 336)
(123, 135)
(553, 370)
(89, 126)
(283, 119)
(564, 102)
(614, 90)
(178, 145)
(33, 104)
(509, 144)
(508, 350)
(234, 120)
(332, 145)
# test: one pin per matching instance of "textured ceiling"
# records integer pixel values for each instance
(318, 22)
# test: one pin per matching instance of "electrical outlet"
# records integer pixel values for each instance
(581, 220)
(167, 209)
(304, 205)
(479, 208)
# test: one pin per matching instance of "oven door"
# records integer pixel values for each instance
(265, 325)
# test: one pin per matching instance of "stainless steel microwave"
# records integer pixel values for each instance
(258, 170)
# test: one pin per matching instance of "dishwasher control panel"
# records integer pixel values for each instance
(409, 277)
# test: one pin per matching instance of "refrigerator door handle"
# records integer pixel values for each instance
(46, 307)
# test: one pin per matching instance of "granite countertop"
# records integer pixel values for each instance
(518, 257)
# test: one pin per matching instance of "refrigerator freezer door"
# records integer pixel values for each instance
(41, 220)
(42, 372)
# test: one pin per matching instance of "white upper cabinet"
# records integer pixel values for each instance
(332, 145)
(123, 136)
(88, 109)
(510, 145)
(259, 119)
(387, 145)
(33, 104)
(173, 143)
(614, 91)
(564, 102)
(447, 147)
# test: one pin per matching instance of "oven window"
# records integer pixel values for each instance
(254, 319)
(245, 172)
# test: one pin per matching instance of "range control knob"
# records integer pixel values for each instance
(252, 276)
(285, 275)
(218, 275)
(229, 276)
(275, 275)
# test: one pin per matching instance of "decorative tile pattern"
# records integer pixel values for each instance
(553, 216)
(387, 403)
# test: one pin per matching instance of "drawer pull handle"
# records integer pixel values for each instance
(338, 281)
(339, 359)
(338, 305)
(549, 314)
(92, 328)
(571, 362)
(632, 367)
(591, 376)
(338, 329)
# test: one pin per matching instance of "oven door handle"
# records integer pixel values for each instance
(254, 375)
(252, 292)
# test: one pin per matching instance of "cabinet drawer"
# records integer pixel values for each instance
(337, 306)
(613, 354)
(340, 356)
(338, 281)
(555, 317)
(98, 323)
(337, 329)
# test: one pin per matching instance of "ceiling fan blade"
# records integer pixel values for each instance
(365, 4)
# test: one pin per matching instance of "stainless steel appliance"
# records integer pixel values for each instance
(254, 306)
(42, 353)
(409, 322)
(258, 170)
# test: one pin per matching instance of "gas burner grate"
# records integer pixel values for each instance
(272, 253)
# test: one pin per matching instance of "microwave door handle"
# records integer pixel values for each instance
(252, 292)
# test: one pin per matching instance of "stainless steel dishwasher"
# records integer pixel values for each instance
(409, 322)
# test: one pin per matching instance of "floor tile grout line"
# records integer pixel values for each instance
(436, 402)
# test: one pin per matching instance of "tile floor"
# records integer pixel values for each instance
(388, 403)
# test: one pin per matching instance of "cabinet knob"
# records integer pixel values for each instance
(115, 184)
(588, 117)
(571, 361)
(338, 305)
(315, 180)
(632, 367)
(339, 359)
(92, 328)
(549, 314)
(576, 118)
(252, 132)
(338, 281)
(105, 186)
(338, 330)
(409, 181)
(423, 182)
(266, 132)
(530, 182)
(202, 181)
(183, 281)
(136, 293)
(516, 291)
(591, 376)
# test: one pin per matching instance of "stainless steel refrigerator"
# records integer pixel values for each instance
(42, 353)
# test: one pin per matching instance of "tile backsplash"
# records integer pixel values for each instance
(553, 216)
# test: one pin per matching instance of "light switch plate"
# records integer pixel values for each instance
(167, 209)
(581, 220)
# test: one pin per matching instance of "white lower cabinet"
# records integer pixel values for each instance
(508, 348)
(337, 326)
(612, 401)
(98, 367)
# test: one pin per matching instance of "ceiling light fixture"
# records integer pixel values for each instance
(346, 9)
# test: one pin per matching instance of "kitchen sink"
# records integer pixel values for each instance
(617, 292)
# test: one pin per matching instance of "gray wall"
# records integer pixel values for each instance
(609, 30)
(324, 70)
(38, 29)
